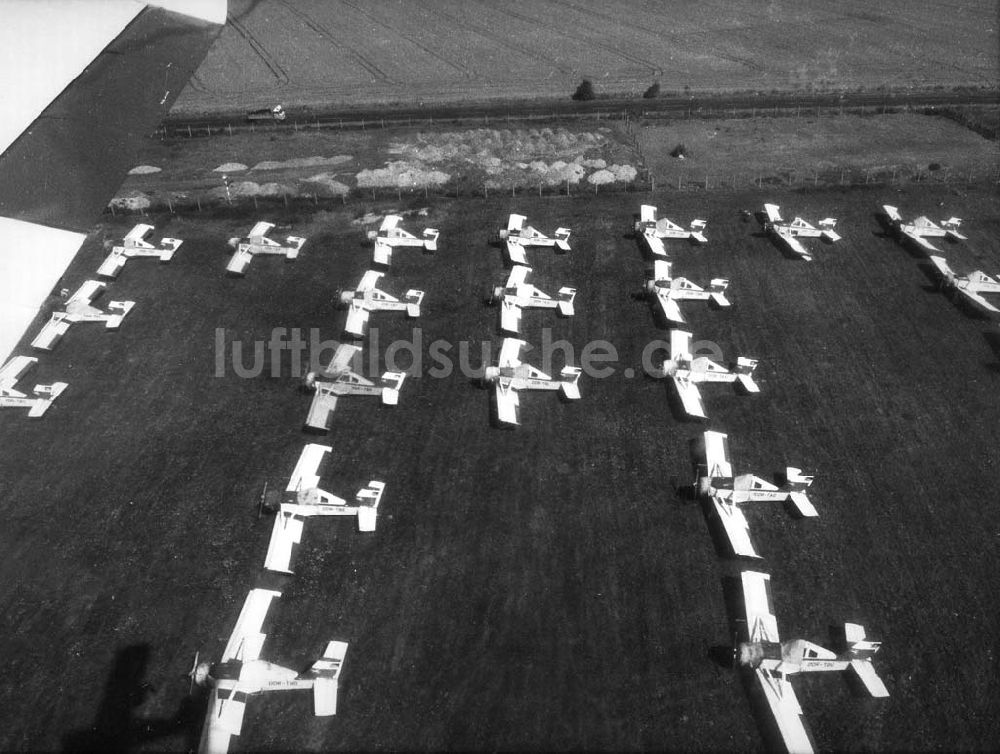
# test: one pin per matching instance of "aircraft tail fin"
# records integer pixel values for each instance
(717, 288)
(562, 239)
(570, 376)
(392, 382)
(744, 374)
(566, 297)
(431, 239)
(413, 300)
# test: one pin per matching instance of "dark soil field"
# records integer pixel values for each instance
(546, 588)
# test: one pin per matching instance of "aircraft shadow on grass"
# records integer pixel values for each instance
(117, 727)
(993, 341)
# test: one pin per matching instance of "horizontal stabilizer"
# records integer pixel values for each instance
(865, 672)
(570, 376)
(431, 239)
(802, 504)
(392, 383)
(744, 373)
(566, 298)
(892, 213)
(831, 236)
(413, 300)
(49, 393)
(294, 244)
(698, 237)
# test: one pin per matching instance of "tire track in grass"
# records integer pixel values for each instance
(491, 34)
(364, 61)
(409, 38)
(255, 44)
(642, 62)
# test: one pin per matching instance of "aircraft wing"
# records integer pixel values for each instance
(357, 318)
(261, 228)
(919, 239)
(761, 623)
(690, 397)
(647, 213)
(83, 84)
(515, 222)
(369, 280)
(510, 316)
(510, 350)
(285, 535)
(507, 404)
(717, 454)
(976, 300)
(662, 270)
(795, 245)
(12, 372)
(390, 222)
(785, 709)
(518, 274)
(734, 523)
(516, 253)
(342, 358)
(324, 403)
(247, 640)
(655, 244)
(680, 344)
(671, 309)
(773, 215)
(224, 719)
(304, 476)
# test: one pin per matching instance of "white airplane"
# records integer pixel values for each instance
(518, 236)
(790, 233)
(390, 235)
(240, 672)
(728, 492)
(970, 286)
(304, 498)
(135, 245)
(687, 372)
(367, 298)
(78, 309)
(339, 380)
(258, 243)
(11, 373)
(773, 661)
(923, 228)
(668, 290)
(654, 231)
(518, 295)
(510, 375)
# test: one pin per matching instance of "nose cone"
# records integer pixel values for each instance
(491, 374)
(233, 243)
(201, 674)
(345, 298)
(309, 382)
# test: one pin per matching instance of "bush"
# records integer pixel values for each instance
(584, 92)
(652, 92)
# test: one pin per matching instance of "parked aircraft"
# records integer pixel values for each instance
(687, 371)
(257, 243)
(78, 309)
(518, 236)
(654, 231)
(969, 286)
(135, 245)
(240, 672)
(511, 375)
(303, 498)
(715, 481)
(518, 295)
(668, 290)
(390, 236)
(338, 380)
(773, 661)
(790, 233)
(367, 298)
(923, 228)
(44, 395)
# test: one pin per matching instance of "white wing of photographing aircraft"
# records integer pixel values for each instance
(510, 375)
(78, 308)
(257, 243)
(668, 290)
(42, 395)
(83, 84)
(338, 379)
(518, 294)
(773, 661)
(390, 236)
(970, 287)
(923, 228)
(135, 245)
(789, 233)
(728, 492)
(518, 235)
(368, 298)
(687, 371)
(304, 498)
(654, 231)
(240, 673)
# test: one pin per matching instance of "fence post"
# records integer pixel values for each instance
(170, 205)
(189, 130)
(230, 127)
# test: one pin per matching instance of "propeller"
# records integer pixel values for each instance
(193, 674)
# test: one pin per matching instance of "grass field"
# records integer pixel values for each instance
(349, 53)
(543, 588)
